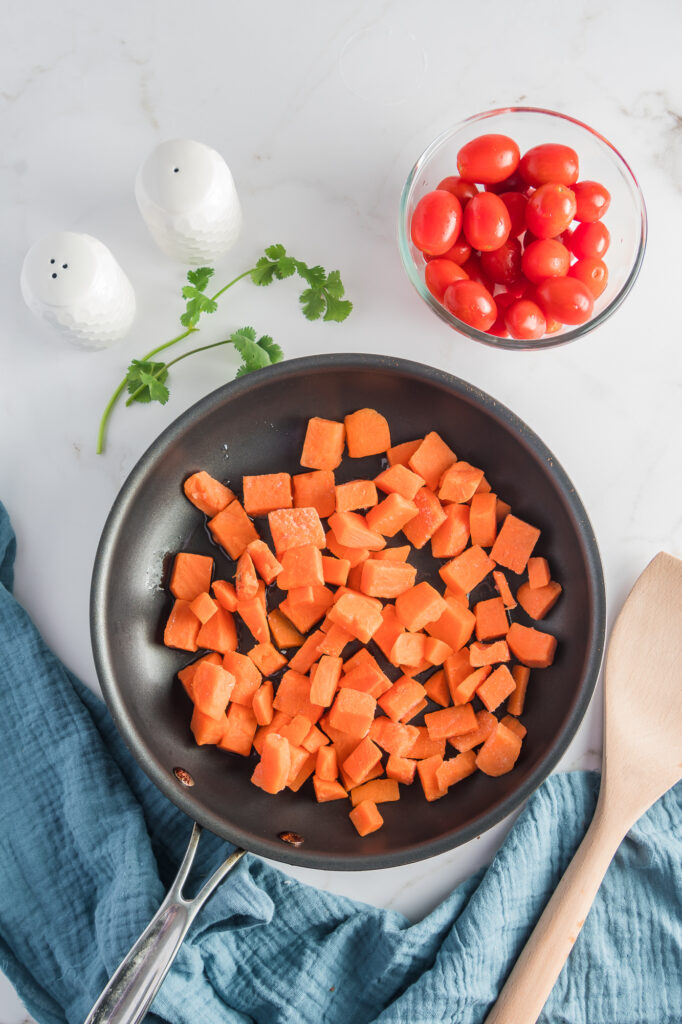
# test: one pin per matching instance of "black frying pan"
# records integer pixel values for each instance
(256, 425)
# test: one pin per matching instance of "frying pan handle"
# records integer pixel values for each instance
(132, 987)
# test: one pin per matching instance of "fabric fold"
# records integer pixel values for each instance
(88, 847)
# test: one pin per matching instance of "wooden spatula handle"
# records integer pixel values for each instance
(539, 965)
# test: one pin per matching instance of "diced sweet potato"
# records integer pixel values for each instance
(454, 626)
(403, 696)
(207, 730)
(265, 493)
(246, 674)
(465, 690)
(367, 433)
(219, 633)
(503, 589)
(352, 712)
(328, 789)
(452, 536)
(455, 769)
(450, 722)
(402, 769)
(514, 725)
(295, 528)
(284, 633)
(325, 681)
(262, 703)
(483, 519)
(514, 544)
(352, 531)
(212, 687)
(437, 689)
(393, 737)
(293, 697)
(538, 601)
(240, 730)
(191, 575)
(208, 494)
(266, 565)
(335, 570)
(225, 595)
(379, 791)
(499, 753)
(203, 607)
(431, 459)
(391, 515)
(366, 818)
(326, 765)
(496, 688)
(428, 776)
(491, 619)
(486, 724)
(323, 445)
(400, 454)
(245, 579)
(301, 567)
(358, 615)
(385, 578)
(488, 654)
(186, 674)
(315, 490)
(467, 570)
(356, 494)
(418, 606)
(517, 699)
(275, 764)
(233, 530)
(400, 480)
(431, 516)
(538, 573)
(531, 647)
(459, 482)
(267, 659)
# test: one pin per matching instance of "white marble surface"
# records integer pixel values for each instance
(320, 110)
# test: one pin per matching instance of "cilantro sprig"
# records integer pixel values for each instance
(146, 380)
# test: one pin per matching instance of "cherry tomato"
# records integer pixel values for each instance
(565, 299)
(503, 300)
(459, 252)
(476, 272)
(552, 326)
(525, 320)
(518, 289)
(464, 190)
(592, 272)
(488, 159)
(528, 239)
(436, 221)
(550, 162)
(486, 222)
(550, 210)
(589, 240)
(514, 183)
(503, 265)
(440, 274)
(592, 200)
(516, 204)
(546, 257)
(471, 302)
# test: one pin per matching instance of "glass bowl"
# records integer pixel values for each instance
(599, 161)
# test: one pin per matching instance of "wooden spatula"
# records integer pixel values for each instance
(642, 759)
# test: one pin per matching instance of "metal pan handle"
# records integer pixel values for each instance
(132, 987)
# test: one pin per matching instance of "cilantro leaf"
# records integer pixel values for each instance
(146, 381)
(285, 267)
(334, 286)
(337, 309)
(313, 303)
(200, 277)
(253, 356)
(264, 271)
(272, 348)
(275, 252)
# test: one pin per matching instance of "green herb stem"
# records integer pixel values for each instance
(178, 359)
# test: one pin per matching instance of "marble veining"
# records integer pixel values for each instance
(320, 111)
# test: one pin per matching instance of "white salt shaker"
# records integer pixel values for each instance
(187, 196)
(73, 282)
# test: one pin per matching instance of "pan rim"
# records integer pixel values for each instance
(183, 797)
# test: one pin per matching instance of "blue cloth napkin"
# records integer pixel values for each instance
(88, 846)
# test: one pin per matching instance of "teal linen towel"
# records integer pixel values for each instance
(88, 846)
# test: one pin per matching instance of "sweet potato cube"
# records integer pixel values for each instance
(219, 633)
(326, 680)
(428, 776)
(262, 703)
(503, 589)
(191, 575)
(454, 626)
(186, 674)
(491, 619)
(483, 519)
(296, 730)
(367, 433)
(496, 688)
(531, 647)
(293, 697)
(301, 567)
(391, 515)
(245, 579)
(423, 746)
(315, 490)
(455, 769)
(393, 737)
(267, 658)
(418, 606)
(502, 511)
(246, 674)
(295, 528)
(408, 650)
(452, 536)
(413, 712)
(352, 531)
(379, 791)
(203, 607)
(431, 516)
(357, 614)
(323, 445)
(233, 530)
(326, 764)
(305, 606)
(356, 494)
(437, 689)
(538, 601)
(402, 769)
(400, 454)
(459, 482)
(273, 769)
(284, 633)
(466, 689)
(352, 712)
(431, 459)
(386, 579)
(207, 494)
(538, 573)
(436, 651)
(486, 724)
(389, 630)
(335, 640)
(265, 563)
(328, 789)
(403, 696)
(307, 653)
(488, 654)
(399, 553)
(240, 730)
(399, 480)
(450, 722)
(207, 730)
(457, 667)
(467, 570)
(517, 699)
(212, 687)
(499, 753)
(362, 759)
(254, 617)
(366, 818)
(335, 570)
(514, 726)
(267, 492)
(514, 544)
(225, 595)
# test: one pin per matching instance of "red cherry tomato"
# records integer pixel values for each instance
(459, 252)
(436, 221)
(440, 274)
(550, 210)
(589, 240)
(516, 204)
(550, 162)
(552, 326)
(471, 302)
(486, 222)
(592, 200)
(565, 299)
(525, 320)
(519, 289)
(502, 300)
(514, 183)
(476, 272)
(546, 257)
(528, 238)
(464, 190)
(503, 265)
(592, 272)
(488, 159)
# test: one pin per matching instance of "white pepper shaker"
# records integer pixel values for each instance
(187, 197)
(74, 283)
